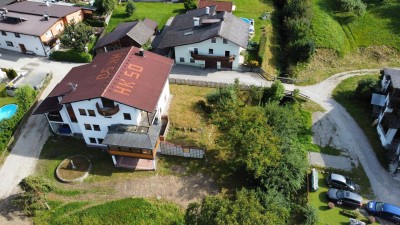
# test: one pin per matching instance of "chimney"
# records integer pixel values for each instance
(196, 21)
(5, 10)
(207, 10)
(141, 52)
(46, 16)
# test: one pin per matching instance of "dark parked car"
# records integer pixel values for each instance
(384, 210)
(340, 182)
(345, 198)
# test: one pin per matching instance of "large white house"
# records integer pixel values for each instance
(205, 38)
(389, 113)
(33, 27)
(115, 102)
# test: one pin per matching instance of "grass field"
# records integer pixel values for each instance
(371, 41)
(124, 211)
(361, 112)
(326, 215)
(190, 126)
(157, 11)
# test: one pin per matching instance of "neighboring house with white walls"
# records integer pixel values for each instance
(206, 39)
(115, 102)
(33, 27)
(389, 116)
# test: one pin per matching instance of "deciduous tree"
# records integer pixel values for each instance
(77, 36)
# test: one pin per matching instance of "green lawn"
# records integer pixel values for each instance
(326, 215)
(125, 211)
(378, 26)
(159, 12)
(361, 112)
(4, 99)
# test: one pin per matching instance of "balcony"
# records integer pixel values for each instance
(107, 111)
(195, 56)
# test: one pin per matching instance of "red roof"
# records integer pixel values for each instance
(122, 76)
(221, 5)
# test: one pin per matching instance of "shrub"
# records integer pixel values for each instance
(311, 215)
(95, 23)
(71, 56)
(365, 88)
(189, 4)
(33, 197)
(353, 7)
(11, 73)
(253, 63)
(301, 51)
(130, 8)
(104, 6)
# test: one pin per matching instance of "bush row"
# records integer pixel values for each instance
(71, 56)
(95, 23)
(295, 26)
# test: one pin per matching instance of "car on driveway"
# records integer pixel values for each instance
(384, 210)
(340, 182)
(345, 198)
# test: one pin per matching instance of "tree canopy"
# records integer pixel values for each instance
(130, 8)
(77, 36)
(247, 207)
(104, 6)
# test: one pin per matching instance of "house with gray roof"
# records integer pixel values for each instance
(136, 33)
(33, 27)
(205, 38)
(388, 122)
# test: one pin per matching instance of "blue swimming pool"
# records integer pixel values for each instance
(8, 111)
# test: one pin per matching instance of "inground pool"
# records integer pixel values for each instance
(8, 111)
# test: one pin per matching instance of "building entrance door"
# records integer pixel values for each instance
(22, 47)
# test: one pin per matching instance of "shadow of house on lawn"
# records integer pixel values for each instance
(9, 211)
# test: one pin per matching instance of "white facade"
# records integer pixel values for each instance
(99, 124)
(219, 48)
(31, 43)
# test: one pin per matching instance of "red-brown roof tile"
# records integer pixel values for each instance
(122, 76)
(221, 5)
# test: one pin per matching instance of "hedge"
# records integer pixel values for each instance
(95, 23)
(71, 56)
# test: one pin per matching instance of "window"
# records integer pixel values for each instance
(87, 126)
(196, 51)
(9, 43)
(17, 35)
(92, 140)
(227, 53)
(127, 116)
(100, 140)
(225, 41)
(82, 112)
(96, 127)
(213, 40)
(191, 60)
(181, 59)
(91, 112)
(210, 51)
(3, 33)
(71, 113)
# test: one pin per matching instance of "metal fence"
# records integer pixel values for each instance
(168, 148)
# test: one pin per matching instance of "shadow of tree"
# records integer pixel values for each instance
(11, 212)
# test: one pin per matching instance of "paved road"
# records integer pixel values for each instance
(22, 160)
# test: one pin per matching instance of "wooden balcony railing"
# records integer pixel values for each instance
(107, 111)
(195, 56)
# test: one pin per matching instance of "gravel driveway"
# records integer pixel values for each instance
(352, 138)
(22, 160)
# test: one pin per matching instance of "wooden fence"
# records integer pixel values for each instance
(202, 83)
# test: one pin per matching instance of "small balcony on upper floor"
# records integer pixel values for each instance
(109, 107)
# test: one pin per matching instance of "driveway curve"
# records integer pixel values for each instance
(384, 186)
